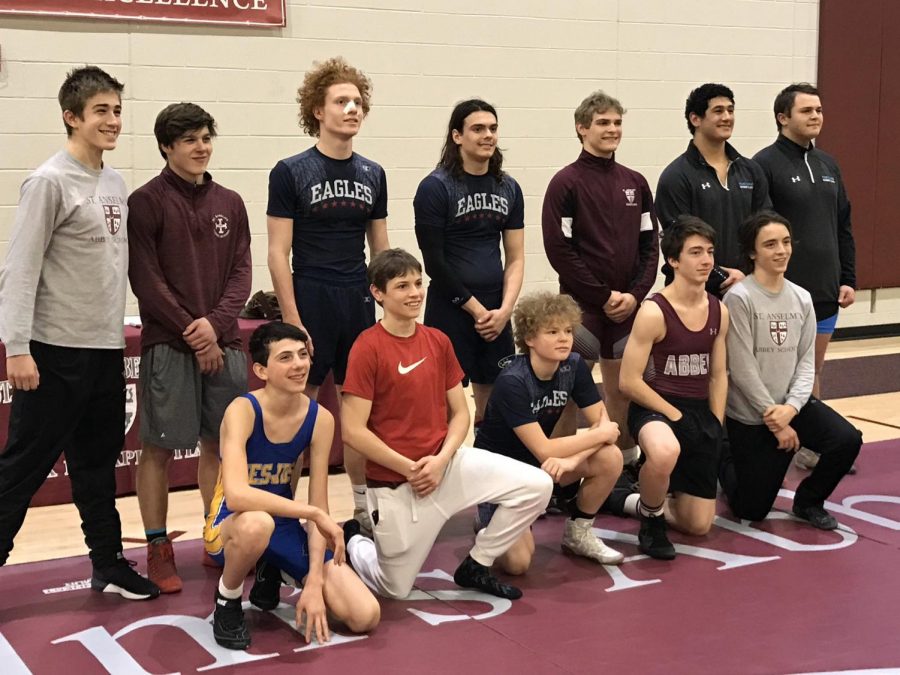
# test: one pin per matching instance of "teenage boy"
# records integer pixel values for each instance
(189, 265)
(62, 305)
(323, 205)
(600, 237)
(255, 516)
(674, 372)
(806, 187)
(462, 209)
(405, 411)
(527, 401)
(771, 410)
(712, 181)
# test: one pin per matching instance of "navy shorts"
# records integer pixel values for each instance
(288, 547)
(481, 361)
(334, 317)
(699, 435)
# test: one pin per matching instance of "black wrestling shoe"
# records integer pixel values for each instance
(351, 529)
(229, 627)
(121, 578)
(470, 574)
(266, 591)
(652, 539)
(816, 516)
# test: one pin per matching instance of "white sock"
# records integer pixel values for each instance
(646, 511)
(631, 504)
(230, 593)
(631, 455)
(359, 497)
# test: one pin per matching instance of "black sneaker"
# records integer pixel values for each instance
(122, 579)
(652, 538)
(470, 574)
(266, 591)
(351, 529)
(816, 516)
(229, 628)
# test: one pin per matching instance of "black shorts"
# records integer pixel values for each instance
(480, 360)
(334, 317)
(598, 337)
(699, 435)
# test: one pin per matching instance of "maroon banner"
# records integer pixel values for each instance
(183, 472)
(236, 12)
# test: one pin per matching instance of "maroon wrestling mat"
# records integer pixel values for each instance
(770, 597)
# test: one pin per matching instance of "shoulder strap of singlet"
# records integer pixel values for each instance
(303, 437)
(257, 409)
(715, 311)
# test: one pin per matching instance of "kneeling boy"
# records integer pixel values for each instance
(673, 371)
(771, 410)
(405, 411)
(525, 405)
(254, 515)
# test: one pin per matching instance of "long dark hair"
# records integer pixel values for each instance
(450, 154)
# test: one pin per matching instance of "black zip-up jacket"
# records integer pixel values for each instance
(805, 187)
(690, 186)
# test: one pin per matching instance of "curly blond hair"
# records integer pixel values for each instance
(311, 94)
(540, 310)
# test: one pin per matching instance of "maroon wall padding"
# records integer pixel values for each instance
(859, 77)
(183, 471)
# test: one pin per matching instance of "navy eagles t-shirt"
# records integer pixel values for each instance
(473, 211)
(330, 201)
(520, 398)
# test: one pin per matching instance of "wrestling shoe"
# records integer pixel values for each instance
(652, 539)
(579, 539)
(266, 591)
(161, 568)
(483, 514)
(122, 579)
(471, 574)
(806, 459)
(362, 517)
(229, 627)
(816, 516)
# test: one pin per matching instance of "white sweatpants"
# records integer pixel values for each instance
(408, 525)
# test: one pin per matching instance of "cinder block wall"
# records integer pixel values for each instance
(533, 60)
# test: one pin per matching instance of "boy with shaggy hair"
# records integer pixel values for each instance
(323, 205)
(527, 401)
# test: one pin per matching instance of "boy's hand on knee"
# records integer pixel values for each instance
(555, 467)
(312, 604)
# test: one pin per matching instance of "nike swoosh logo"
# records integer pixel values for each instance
(403, 370)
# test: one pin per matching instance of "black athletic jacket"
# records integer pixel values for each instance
(806, 188)
(690, 186)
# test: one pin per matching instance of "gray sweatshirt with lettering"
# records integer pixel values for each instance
(67, 264)
(771, 349)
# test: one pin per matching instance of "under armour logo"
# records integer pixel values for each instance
(795, 179)
(705, 186)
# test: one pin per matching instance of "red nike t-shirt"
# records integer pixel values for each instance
(406, 379)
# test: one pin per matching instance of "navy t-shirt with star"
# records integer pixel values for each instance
(331, 201)
(520, 398)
